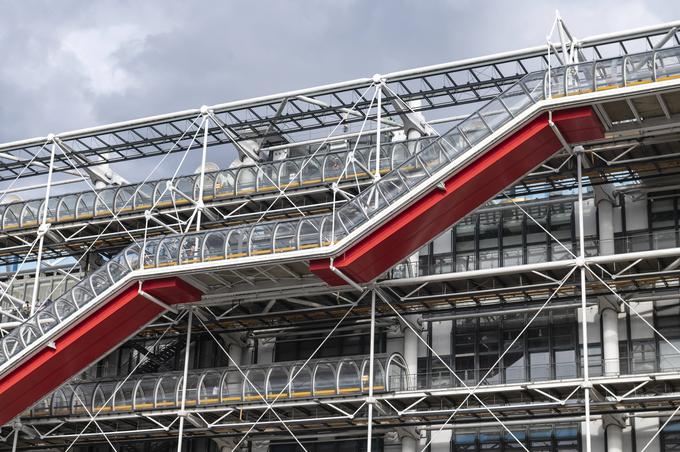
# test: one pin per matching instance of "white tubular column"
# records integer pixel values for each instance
(584, 309)
(614, 437)
(408, 444)
(608, 305)
(610, 338)
(411, 347)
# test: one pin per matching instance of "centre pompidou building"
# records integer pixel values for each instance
(476, 255)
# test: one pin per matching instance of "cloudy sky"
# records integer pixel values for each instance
(72, 64)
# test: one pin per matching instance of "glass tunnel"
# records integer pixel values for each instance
(406, 165)
(282, 381)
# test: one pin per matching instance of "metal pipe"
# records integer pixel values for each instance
(43, 228)
(199, 201)
(501, 312)
(370, 400)
(584, 302)
(182, 413)
(511, 269)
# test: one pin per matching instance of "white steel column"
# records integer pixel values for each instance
(610, 339)
(43, 226)
(584, 320)
(370, 401)
(15, 440)
(199, 202)
(614, 438)
(377, 79)
(408, 444)
(608, 305)
(411, 348)
(182, 412)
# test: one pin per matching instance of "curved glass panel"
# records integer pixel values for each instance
(143, 198)
(301, 385)
(245, 181)
(267, 177)
(12, 215)
(332, 167)
(237, 243)
(277, 384)
(289, 174)
(225, 184)
(168, 252)
(285, 237)
(166, 391)
(349, 377)
(232, 386)
(254, 384)
(82, 293)
(184, 185)
(100, 281)
(85, 206)
(214, 246)
(61, 402)
(261, 239)
(30, 215)
(66, 209)
(192, 390)
(144, 393)
(104, 202)
(311, 171)
(209, 390)
(190, 249)
(309, 233)
(124, 202)
(324, 380)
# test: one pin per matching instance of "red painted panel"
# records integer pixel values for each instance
(466, 190)
(86, 342)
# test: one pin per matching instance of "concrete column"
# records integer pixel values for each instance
(610, 340)
(614, 438)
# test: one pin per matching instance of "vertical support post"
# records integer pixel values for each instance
(43, 226)
(584, 322)
(15, 440)
(370, 400)
(182, 413)
(201, 181)
(378, 87)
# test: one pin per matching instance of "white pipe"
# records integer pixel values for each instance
(182, 413)
(43, 229)
(614, 438)
(610, 340)
(584, 298)
(511, 269)
(370, 400)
